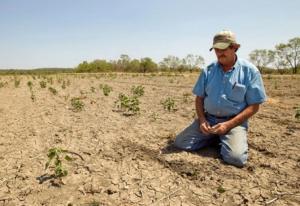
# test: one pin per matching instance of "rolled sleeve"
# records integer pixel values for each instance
(256, 92)
(199, 88)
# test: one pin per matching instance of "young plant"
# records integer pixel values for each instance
(77, 104)
(128, 104)
(169, 104)
(154, 116)
(17, 82)
(50, 80)
(2, 84)
(63, 86)
(186, 97)
(106, 90)
(52, 90)
(221, 189)
(93, 89)
(137, 90)
(68, 82)
(30, 84)
(32, 96)
(43, 84)
(55, 155)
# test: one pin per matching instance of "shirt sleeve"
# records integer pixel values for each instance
(256, 92)
(199, 88)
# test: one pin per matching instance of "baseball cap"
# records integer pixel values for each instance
(223, 39)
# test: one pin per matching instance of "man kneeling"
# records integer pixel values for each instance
(228, 92)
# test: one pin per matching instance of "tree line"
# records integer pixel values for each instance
(125, 64)
(284, 58)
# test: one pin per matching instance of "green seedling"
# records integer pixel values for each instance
(93, 89)
(137, 90)
(63, 86)
(43, 84)
(2, 84)
(50, 80)
(221, 189)
(17, 83)
(55, 156)
(55, 162)
(169, 104)
(30, 84)
(128, 104)
(52, 90)
(106, 90)
(186, 97)
(154, 116)
(77, 104)
(68, 82)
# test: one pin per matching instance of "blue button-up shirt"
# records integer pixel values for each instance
(228, 93)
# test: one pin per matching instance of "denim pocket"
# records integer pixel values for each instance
(237, 93)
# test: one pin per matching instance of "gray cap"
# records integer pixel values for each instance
(223, 40)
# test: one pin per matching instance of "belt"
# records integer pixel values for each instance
(218, 117)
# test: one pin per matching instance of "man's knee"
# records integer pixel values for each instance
(181, 142)
(235, 158)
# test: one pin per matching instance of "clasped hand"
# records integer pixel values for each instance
(218, 129)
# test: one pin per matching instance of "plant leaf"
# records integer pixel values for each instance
(68, 158)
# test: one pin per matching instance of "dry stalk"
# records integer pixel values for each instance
(165, 197)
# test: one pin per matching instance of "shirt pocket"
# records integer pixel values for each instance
(237, 93)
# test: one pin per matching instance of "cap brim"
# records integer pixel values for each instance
(220, 45)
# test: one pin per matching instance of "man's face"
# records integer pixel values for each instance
(226, 56)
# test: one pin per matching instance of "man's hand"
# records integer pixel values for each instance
(205, 127)
(219, 129)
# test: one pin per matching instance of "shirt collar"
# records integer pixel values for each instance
(236, 64)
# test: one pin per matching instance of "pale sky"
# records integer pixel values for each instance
(63, 33)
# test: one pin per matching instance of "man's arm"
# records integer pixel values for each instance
(243, 116)
(204, 125)
(199, 104)
(224, 127)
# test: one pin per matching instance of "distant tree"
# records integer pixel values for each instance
(82, 67)
(193, 61)
(134, 65)
(261, 58)
(279, 62)
(292, 53)
(123, 62)
(170, 63)
(288, 55)
(147, 65)
(100, 65)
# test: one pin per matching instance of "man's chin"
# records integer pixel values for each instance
(222, 60)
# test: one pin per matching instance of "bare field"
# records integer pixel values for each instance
(129, 160)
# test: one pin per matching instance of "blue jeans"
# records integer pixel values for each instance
(234, 146)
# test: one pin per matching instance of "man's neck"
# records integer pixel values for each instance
(228, 66)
